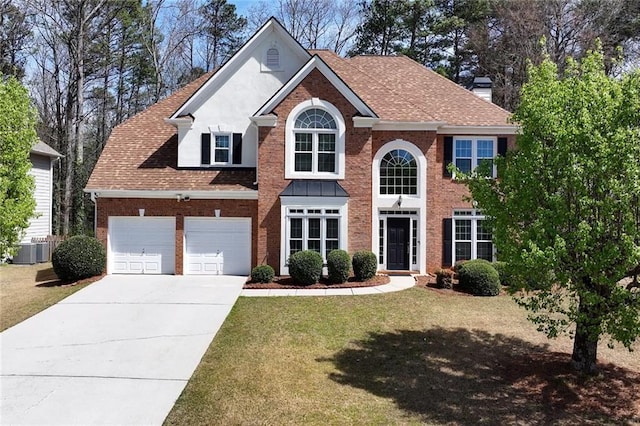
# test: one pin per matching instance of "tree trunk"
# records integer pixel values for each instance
(585, 351)
(585, 343)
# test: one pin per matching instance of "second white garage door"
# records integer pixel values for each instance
(216, 246)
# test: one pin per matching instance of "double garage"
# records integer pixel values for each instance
(147, 245)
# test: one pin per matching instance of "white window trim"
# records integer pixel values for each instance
(414, 250)
(409, 202)
(306, 203)
(213, 149)
(474, 150)
(474, 217)
(290, 172)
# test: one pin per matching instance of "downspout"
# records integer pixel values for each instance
(95, 214)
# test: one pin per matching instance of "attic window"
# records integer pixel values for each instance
(271, 60)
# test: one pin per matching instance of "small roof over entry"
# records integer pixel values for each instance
(314, 188)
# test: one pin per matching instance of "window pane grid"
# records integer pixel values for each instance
(315, 149)
(470, 153)
(312, 231)
(472, 237)
(381, 243)
(414, 242)
(398, 173)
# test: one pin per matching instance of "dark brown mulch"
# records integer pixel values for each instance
(289, 283)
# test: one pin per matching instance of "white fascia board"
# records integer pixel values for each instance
(480, 130)
(365, 121)
(186, 121)
(194, 195)
(317, 63)
(233, 64)
(265, 120)
(408, 125)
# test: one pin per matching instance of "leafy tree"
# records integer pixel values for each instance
(565, 210)
(15, 32)
(382, 31)
(223, 29)
(17, 136)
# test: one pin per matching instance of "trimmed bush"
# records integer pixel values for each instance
(365, 265)
(504, 275)
(305, 267)
(444, 278)
(78, 257)
(458, 265)
(338, 266)
(479, 278)
(262, 274)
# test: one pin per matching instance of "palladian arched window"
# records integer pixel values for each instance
(315, 133)
(398, 173)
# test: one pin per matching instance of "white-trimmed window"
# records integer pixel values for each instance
(316, 229)
(315, 142)
(221, 149)
(469, 152)
(398, 173)
(472, 239)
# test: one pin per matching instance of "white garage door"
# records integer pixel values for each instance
(142, 245)
(215, 246)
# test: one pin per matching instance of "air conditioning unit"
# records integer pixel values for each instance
(26, 255)
(42, 252)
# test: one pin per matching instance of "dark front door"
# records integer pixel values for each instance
(398, 243)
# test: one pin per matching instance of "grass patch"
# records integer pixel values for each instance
(26, 290)
(412, 357)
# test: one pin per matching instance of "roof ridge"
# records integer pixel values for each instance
(451, 82)
(419, 107)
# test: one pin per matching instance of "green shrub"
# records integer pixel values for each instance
(305, 267)
(444, 278)
(338, 266)
(78, 257)
(262, 274)
(458, 265)
(365, 265)
(480, 278)
(503, 273)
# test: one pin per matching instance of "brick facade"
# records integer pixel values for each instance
(179, 209)
(271, 170)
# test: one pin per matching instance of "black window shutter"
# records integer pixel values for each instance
(237, 148)
(502, 146)
(448, 155)
(205, 149)
(446, 242)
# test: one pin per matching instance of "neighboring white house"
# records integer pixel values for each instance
(42, 158)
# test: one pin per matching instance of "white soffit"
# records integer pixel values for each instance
(480, 130)
(177, 194)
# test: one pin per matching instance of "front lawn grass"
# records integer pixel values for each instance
(26, 290)
(414, 357)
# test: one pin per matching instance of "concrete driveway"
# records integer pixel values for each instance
(119, 351)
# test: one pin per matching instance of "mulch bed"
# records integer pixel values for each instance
(289, 283)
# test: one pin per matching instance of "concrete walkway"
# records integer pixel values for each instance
(118, 352)
(396, 283)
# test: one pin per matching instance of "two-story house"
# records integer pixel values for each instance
(284, 149)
